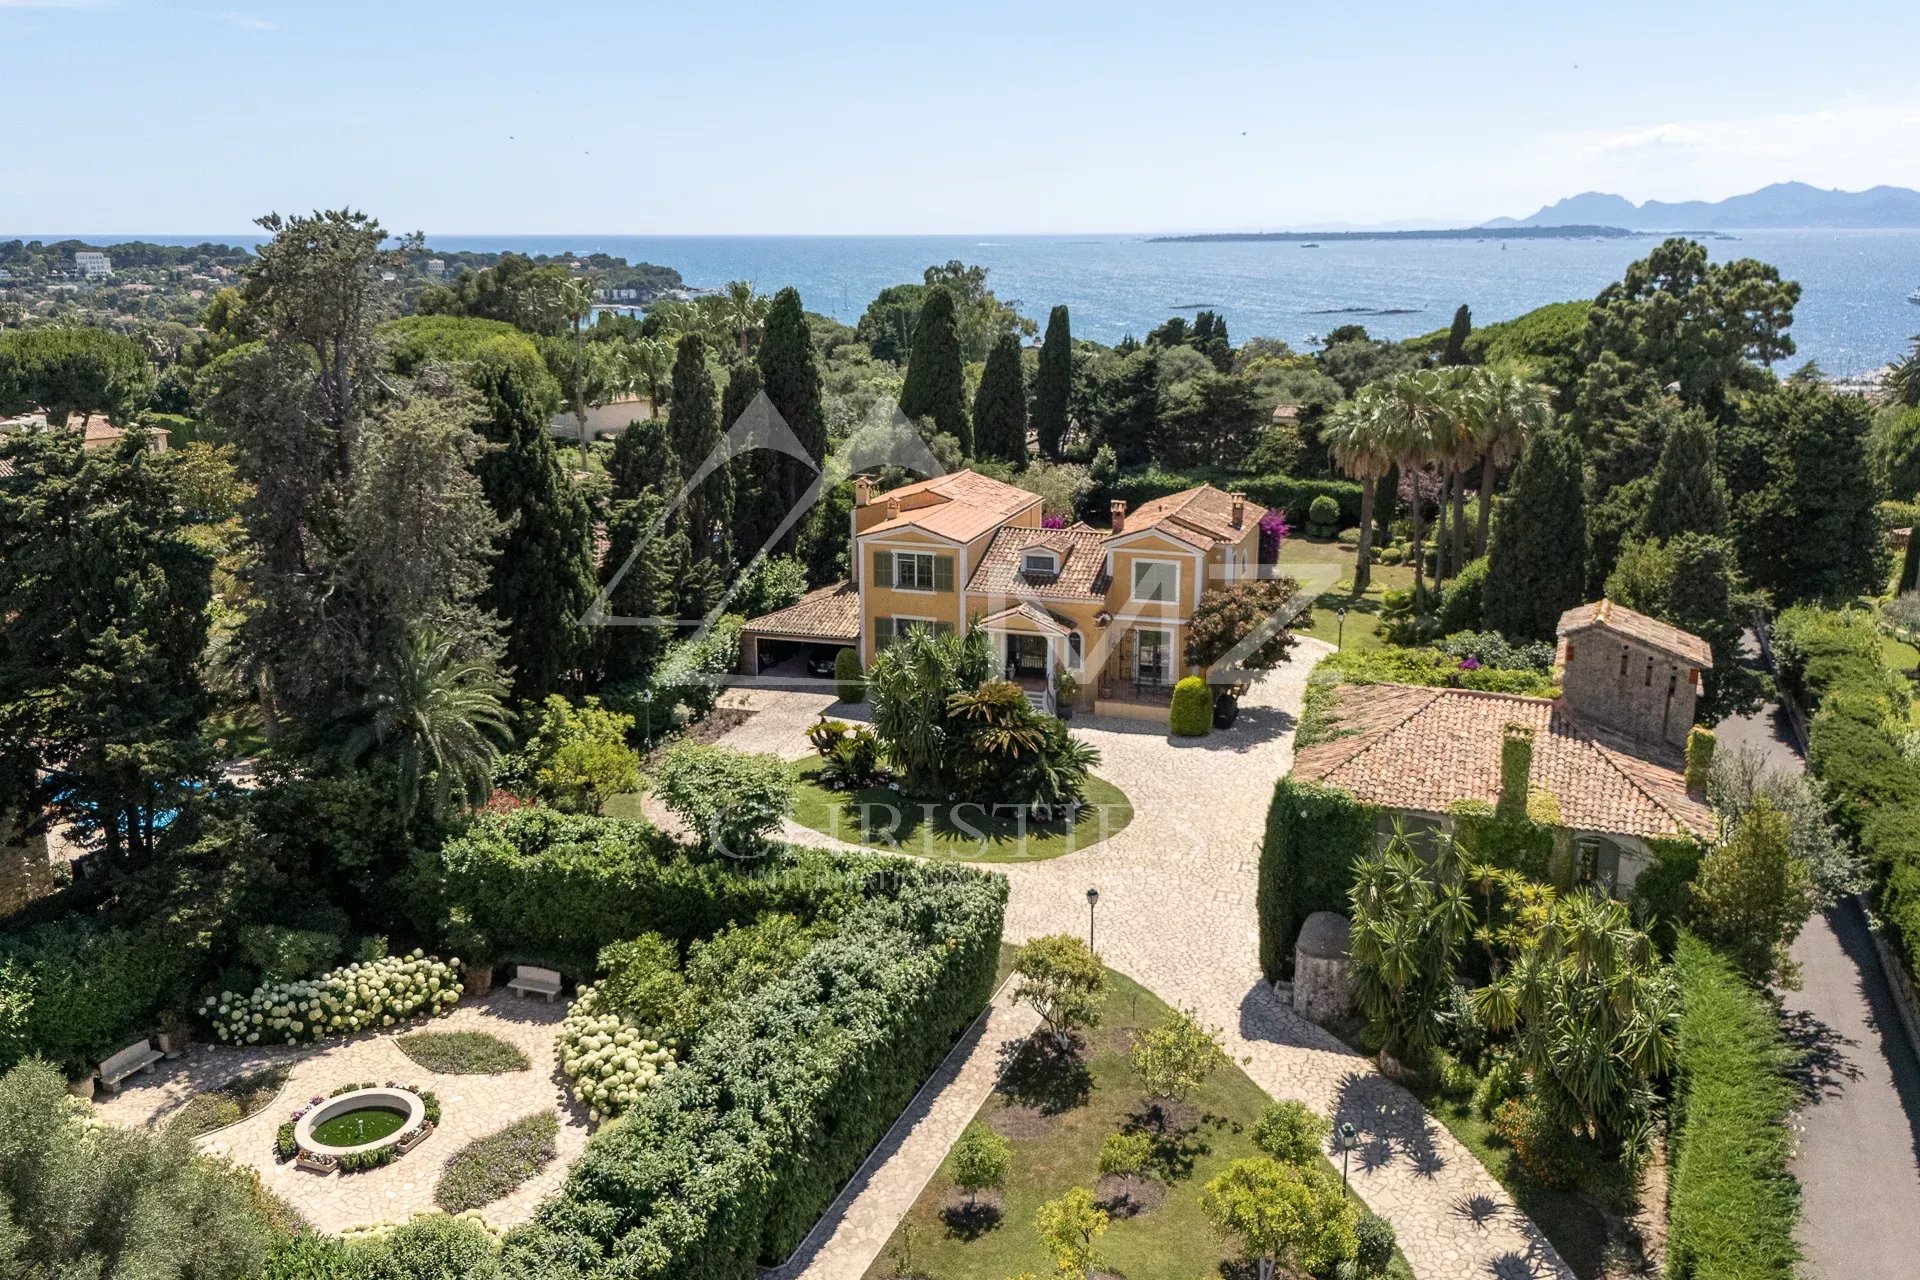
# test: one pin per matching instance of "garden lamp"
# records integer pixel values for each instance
(1347, 1136)
(1093, 900)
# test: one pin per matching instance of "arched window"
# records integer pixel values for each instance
(1075, 650)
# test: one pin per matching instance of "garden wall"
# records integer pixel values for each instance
(1732, 1205)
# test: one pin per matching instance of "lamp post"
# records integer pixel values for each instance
(646, 700)
(1341, 641)
(1347, 1137)
(1093, 900)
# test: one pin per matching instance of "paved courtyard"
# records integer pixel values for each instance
(471, 1106)
(1176, 912)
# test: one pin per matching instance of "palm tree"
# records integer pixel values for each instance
(433, 712)
(1357, 440)
(744, 310)
(1455, 448)
(1902, 385)
(1508, 410)
(1414, 410)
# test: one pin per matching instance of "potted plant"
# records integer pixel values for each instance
(471, 946)
(1066, 692)
(83, 1087)
(174, 1034)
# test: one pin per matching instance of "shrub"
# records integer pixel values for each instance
(849, 679)
(287, 955)
(1323, 514)
(577, 757)
(1732, 1203)
(74, 991)
(1541, 1145)
(1491, 649)
(1374, 1243)
(609, 1060)
(434, 1246)
(285, 1145)
(1461, 603)
(349, 999)
(492, 1166)
(1192, 713)
(462, 1053)
(850, 760)
(1349, 537)
(1291, 1132)
(731, 799)
(1290, 495)
(1506, 1079)
(1314, 833)
(1392, 553)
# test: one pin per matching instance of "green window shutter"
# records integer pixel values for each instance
(883, 569)
(882, 630)
(943, 573)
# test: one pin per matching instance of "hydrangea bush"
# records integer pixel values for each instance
(354, 997)
(610, 1061)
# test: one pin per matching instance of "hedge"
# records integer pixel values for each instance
(551, 888)
(1732, 1205)
(1314, 834)
(1191, 714)
(1290, 494)
(76, 991)
(734, 1158)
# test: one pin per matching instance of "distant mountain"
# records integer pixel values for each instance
(1784, 204)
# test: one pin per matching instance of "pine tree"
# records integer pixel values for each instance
(648, 589)
(1688, 496)
(1000, 405)
(693, 426)
(1053, 385)
(1456, 350)
(1812, 531)
(936, 385)
(791, 375)
(543, 579)
(755, 474)
(1537, 565)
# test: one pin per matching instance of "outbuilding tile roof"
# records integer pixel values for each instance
(1426, 749)
(828, 614)
(1651, 632)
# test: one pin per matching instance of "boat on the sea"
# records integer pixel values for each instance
(1914, 297)
(1309, 245)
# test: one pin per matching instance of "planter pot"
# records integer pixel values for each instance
(477, 980)
(1226, 709)
(315, 1164)
(84, 1088)
(172, 1043)
(414, 1139)
(1394, 1069)
(1066, 711)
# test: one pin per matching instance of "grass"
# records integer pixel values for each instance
(235, 732)
(1055, 1121)
(962, 830)
(462, 1053)
(1903, 658)
(230, 1103)
(1316, 555)
(495, 1165)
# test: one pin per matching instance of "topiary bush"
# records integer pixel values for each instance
(849, 678)
(1323, 516)
(1192, 713)
(1460, 604)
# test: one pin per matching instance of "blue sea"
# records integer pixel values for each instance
(1853, 315)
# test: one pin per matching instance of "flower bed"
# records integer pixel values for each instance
(608, 1059)
(356, 997)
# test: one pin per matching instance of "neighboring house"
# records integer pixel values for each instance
(95, 433)
(604, 421)
(92, 264)
(1111, 606)
(1608, 754)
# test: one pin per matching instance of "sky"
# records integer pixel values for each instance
(711, 117)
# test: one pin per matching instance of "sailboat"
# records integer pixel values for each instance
(1914, 297)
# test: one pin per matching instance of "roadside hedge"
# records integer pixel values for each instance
(733, 1158)
(1287, 493)
(1732, 1205)
(75, 991)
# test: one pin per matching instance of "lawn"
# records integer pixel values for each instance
(1313, 559)
(884, 819)
(1905, 659)
(1055, 1121)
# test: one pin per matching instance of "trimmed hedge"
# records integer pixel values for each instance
(1286, 493)
(1314, 833)
(75, 991)
(1732, 1205)
(735, 1157)
(1191, 714)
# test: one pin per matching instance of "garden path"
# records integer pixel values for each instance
(1176, 912)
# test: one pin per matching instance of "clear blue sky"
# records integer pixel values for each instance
(705, 116)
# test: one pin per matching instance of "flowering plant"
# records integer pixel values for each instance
(608, 1059)
(355, 997)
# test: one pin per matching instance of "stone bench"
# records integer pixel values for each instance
(531, 979)
(135, 1057)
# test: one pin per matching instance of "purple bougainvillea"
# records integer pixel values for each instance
(1273, 534)
(1053, 522)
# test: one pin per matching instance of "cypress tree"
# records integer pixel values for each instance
(755, 477)
(649, 589)
(543, 579)
(791, 375)
(1000, 405)
(1456, 352)
(1053, 385)
(693, 426)
(1688, 496)
(1537, 565)
(1910, 564)
(643, 459)
(936, 385)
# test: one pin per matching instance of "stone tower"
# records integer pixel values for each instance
(1633, 674)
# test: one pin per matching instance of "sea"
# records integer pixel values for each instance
(1854, 315)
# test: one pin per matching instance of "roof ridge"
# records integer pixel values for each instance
(1608, 754)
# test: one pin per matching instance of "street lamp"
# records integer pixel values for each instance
(1341, 641)
(1347, 1138)
(1093, 900)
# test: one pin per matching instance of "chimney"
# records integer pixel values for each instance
(862, 490)
(1239, 509)
(893, 508)
(1117, 509)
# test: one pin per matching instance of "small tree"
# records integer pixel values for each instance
(1126, 1156)
(577, 756)
(1296, 1215)
(1068, 1227)
(1175, 1058)
(1260, 614)
(1752, 895)
(729, 798)
(1064, 982)
(981, 1162)
(1291, 1132)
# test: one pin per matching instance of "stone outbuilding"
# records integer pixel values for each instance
(1321, 967)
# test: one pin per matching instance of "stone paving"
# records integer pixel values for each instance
(471, 1106)
(1176, 912)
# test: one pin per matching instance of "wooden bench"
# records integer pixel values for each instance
(531, 979)
(135, 1057)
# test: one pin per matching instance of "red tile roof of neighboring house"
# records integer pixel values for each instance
(1651, 632)
(1202, 516)
(1425, 749)
(827, 614)
(969, 504)
(1083, 564)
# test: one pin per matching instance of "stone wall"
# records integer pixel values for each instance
(1625, 685)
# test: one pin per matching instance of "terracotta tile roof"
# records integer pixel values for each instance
(1424, 749)
(961, 506)
(828, 614)
(1083, 564)
(1651, 632)
(1202, 516)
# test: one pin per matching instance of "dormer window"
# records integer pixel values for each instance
(1040, 564)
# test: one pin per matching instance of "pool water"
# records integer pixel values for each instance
(364, 1124)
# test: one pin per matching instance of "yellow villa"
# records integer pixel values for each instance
(1111, 606)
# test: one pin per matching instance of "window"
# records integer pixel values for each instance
(1153, 657)
(1598, 864)
(1039, 564)
(913, 570)
(1076, 649)
(1156, 580)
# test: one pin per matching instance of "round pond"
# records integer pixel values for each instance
(362, 1120)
